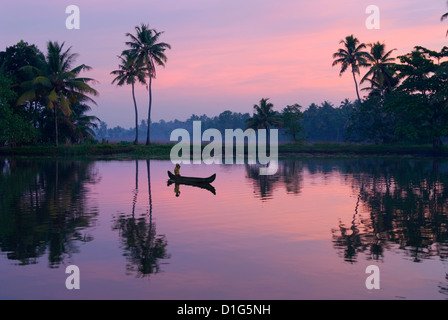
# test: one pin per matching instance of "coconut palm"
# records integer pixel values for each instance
(130, 71)
(57, 85)
(147, 50)
(380, 74)
(351, 55)
(264, 116)
(445, 16)
(84, 126)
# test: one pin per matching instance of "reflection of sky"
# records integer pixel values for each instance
(230, 246)
(226, 54)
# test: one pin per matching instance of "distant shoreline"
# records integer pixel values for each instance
(162, 150)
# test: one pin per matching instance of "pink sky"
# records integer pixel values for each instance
(226, 54)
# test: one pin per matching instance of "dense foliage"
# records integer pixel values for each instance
(43, 99)
(407, 101)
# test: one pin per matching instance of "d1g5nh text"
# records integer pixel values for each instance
(241, 309)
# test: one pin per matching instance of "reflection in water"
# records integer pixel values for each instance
(406, 202)
(177, 189)
(351, 240)
(44, 208)
(289, 174)
(397, 209)
(206, 186)
(407, 208)
(142, 246)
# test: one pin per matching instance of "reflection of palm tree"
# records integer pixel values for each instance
(355, 240)
(44, 209)
(292, 175)
(408, 208)
(264, 183)
(143, 247)
(134, 202)
(148, 170)
(349, 240)
(289, 175)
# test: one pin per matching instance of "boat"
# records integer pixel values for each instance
(194, 180)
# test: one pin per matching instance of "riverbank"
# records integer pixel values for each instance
(363, 149)
(162, 151)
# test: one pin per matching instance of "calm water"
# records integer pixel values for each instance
(308, 232)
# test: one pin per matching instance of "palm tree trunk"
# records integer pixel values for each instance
(56, 138)
(437, 144)
(134, 201)
(56, 179)
(35, 115)
(136, 174)
(148, 168)
(148, 140)
(136, 115)
(356, 86)
(268, 137)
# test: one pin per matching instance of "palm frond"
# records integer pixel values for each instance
(65, 105)
(444, 17)
(29, 95)
(42, 80)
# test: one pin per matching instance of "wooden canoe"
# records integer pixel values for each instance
(182, 179)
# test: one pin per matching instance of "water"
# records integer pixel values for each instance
(308, 232)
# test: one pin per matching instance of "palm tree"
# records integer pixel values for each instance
(146, 49)
(351, 56)
(129, 72)
(380, 73)
(83, 125)
(445, 16)
(264, 117)
(57, 85)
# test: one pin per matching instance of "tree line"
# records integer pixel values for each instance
(318, 123)
(406, 96)
(44, 98)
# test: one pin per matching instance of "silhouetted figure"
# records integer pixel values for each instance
(177, 170)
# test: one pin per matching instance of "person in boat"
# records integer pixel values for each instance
(177, 170)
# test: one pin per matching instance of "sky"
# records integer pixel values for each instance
(226, 54)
